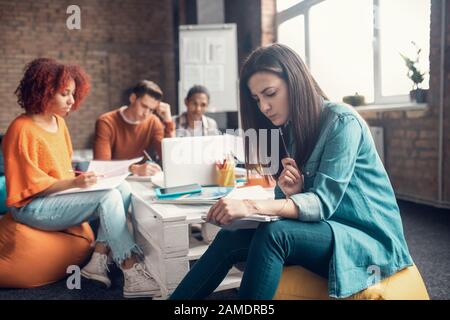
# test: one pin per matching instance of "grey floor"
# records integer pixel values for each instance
(427, 232)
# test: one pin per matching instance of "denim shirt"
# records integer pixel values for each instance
(346, 185)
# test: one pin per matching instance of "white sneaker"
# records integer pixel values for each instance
(97, 270)
(139, 283)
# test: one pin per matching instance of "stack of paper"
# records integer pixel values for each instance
(250, 222)
(209, 195)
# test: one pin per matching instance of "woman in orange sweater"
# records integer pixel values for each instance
(38, 152)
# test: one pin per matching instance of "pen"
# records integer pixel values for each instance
(80, 172)
(150, 160)
(284, 143)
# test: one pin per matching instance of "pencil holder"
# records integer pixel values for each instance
(225, 177)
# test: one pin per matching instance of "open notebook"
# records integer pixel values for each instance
(251, 222)
(112, 172)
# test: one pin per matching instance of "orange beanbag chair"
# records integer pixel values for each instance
(30, 257)
(297, 283)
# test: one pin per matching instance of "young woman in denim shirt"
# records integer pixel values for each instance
(341, 218)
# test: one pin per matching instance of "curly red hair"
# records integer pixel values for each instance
(43, 78)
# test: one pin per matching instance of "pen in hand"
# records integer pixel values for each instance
(284, 143)
(150, 160)
(81, 172)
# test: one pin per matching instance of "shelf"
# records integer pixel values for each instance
(407, 106)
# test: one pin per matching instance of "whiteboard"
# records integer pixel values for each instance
(208, 56)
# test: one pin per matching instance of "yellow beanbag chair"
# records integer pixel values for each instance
(298, 283)
(31, 258)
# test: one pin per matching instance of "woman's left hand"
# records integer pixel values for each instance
(225, 211)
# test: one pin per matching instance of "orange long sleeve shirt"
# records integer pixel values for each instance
(118, 140)
(34, 159)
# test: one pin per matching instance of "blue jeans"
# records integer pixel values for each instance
(61, 212)
(266, 250)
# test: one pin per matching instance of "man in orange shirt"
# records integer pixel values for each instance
(126, 132)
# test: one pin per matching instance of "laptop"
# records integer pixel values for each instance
(188, 160)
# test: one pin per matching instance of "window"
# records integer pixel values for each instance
(284, 4)
(295, 26)
(355, 45)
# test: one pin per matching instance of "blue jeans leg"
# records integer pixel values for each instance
(228, 248)
(266, 249)
(285, 242)
(63, 211)
(125, 192)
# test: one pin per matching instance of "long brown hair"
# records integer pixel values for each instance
(304, 95)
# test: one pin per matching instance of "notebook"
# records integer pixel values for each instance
(113, 173)
(250, 222)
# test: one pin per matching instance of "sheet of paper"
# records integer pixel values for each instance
(102, 184)
(193, 74)
(193, 50)
(214, 77)
(111, 174)
(111, 168)
(250, 222)
(139, 178)
(252, 193)
(158, 179)
(215, 50)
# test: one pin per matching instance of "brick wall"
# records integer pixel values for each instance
(268, 12)
(120, 42)
(411, 137)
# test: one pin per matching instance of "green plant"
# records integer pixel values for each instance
(355, 100)
(414, 73)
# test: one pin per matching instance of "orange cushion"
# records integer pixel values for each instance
(297, 283)
(32, 258)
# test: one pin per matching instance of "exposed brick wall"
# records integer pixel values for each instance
(411, 138)
(410, 144)
(268, 12)
(120, 42)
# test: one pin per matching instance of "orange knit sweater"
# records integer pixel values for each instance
(116, 139)
(34, 159)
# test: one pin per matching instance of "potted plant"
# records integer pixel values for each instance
(416, 94)
(355, 100)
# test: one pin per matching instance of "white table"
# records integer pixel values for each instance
(162, 230)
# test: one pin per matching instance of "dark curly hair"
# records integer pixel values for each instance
(43, 78)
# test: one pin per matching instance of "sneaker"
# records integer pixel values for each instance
(139, 283)
(97, 270)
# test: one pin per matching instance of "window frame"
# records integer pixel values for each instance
(304, 7)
